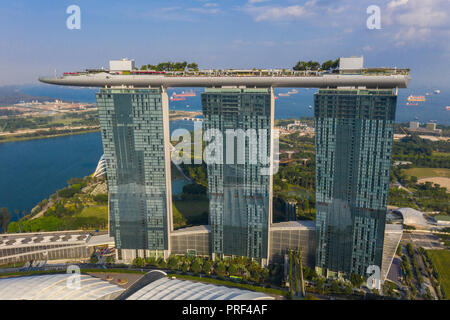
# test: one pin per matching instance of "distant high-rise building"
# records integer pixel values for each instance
(431, 126)
(240, 189)
(135, 134)
(354, 136)
(414, 125)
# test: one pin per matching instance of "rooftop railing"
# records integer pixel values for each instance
(247, 73)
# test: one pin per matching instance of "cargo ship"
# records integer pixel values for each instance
(176, 98)
(417, 98)
(185, 94)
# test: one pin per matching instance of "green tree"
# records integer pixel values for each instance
(306, 206)
(172, 263)
(5, 217)
(101, 198)
(330, 64)
(196, 266)
(348, 290)
(151, 261)
(207, 265)
(94, 259)
(309, 65)
(185, 267)
(233, 269)
(320, 283)
(192, 66)
(161, 263)
(335, 287)
(221, 269)
(356, 280)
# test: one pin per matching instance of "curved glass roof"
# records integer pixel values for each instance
(55, 287)
(174, 289)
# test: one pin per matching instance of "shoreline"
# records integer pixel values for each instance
(20, 139)
(177, 116)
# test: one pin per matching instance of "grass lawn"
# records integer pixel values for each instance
(427, 172)
(441, 154)
(441, 261)
(96, 211)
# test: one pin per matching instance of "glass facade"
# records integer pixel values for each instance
(293, 235)
(240, 195)
(134, 128)
(354, 135)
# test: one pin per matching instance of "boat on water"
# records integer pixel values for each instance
(310, 107)
(293, 91)
(447, 108)
(417, 98)
(185, 94)
(175, 98)
(284, 94)
(411, 104)
(437, 91)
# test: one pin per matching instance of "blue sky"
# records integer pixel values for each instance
(34, 39)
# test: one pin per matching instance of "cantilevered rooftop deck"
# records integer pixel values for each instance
(369, 78)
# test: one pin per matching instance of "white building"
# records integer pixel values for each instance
(352, 63)
(121, 65)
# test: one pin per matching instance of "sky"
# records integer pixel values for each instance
(35, 40)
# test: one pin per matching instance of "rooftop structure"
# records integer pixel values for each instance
(352, 63)
(174, 289)
(122, 73)
(412, 217)
(101, 168)
(22, 247)
(55, 287)
(121, 65)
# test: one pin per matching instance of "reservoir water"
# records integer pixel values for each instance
(31, 171)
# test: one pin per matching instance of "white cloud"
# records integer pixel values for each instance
(210, 4)
(205, 10)
(396, 3)
(418, 21)
(276, 13)
(423, 13)
(257, 1)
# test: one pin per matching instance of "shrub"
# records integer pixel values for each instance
(101, 198)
